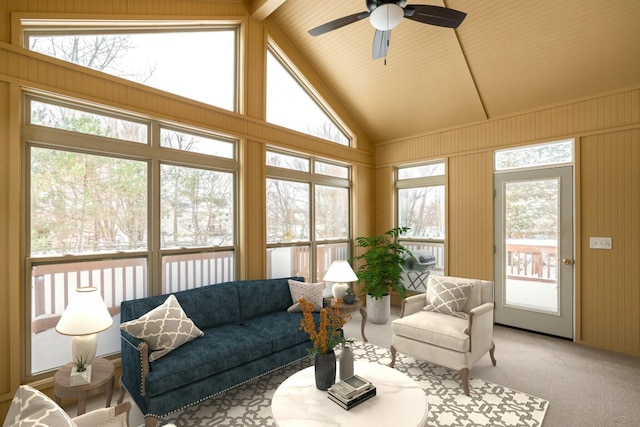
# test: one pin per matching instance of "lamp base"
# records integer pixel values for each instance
(83, 348)
(339, 290)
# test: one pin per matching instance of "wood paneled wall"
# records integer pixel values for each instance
(610, 207)
(606, 129)
(470, 216)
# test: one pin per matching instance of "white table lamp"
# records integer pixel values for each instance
(340, 272)
(84, 317)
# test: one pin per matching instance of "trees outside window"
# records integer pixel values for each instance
(194, 60)
(307, 216)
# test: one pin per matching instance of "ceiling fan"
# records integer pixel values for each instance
(385, 15)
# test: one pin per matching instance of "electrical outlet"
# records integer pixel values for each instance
(600, 242)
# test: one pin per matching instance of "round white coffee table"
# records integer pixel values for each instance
(399, 401)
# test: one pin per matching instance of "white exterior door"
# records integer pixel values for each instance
(534, 250)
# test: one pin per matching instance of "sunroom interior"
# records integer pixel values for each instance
(512, 75)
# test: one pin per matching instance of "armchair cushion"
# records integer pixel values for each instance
(447, 296)
(103, 417)
(164, 328)
(434, 328)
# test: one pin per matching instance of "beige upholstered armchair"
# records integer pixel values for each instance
(451, 326)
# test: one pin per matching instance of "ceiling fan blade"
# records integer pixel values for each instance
(435, 15)
(338, 23)
(381, 41)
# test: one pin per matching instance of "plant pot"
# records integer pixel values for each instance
(349, 299)
(80, 378)
(379, 310)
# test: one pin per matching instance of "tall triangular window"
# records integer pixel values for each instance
(292, 105)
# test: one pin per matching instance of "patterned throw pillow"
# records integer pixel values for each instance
(31, 407)
(164, 328)
(447, 297)
(311, 292)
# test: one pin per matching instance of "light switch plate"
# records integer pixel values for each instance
(600, 242)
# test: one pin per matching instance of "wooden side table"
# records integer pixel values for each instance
(102, 379)
(350, 308)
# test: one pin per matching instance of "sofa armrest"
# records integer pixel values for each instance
(412, 304)
(480, 329)
(135, 363)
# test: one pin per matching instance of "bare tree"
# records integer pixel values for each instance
(101, 52)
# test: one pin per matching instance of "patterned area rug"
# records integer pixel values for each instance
(488, 405)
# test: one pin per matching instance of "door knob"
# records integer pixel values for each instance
(567, 261)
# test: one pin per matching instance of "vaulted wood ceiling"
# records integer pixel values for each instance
(508, 56)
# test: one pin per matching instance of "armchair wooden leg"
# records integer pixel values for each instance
(122, 392)
(491, 351)
(464, 376)
(393, 357)
(150, 421)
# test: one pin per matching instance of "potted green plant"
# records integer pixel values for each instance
(380, 271)
(80, 371)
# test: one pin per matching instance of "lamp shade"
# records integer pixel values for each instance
(340, 271)
(86, 314)
(386, 16)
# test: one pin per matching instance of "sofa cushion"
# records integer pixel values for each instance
(447, 296)
(312, 292)
(435, 328)
(258, 297)
(30, 407)
(219, 349)
(282, 329)
(207, 306)
(211, 305)
(164, 328)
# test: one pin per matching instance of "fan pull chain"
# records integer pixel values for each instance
(385, 56)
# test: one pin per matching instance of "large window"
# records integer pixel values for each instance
(116, 206)
(298, 109)
(194, 60)
(421, 207)
(307, 217)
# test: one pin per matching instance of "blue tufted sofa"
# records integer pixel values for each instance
(247, 333)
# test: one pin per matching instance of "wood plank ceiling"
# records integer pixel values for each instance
(508, 56)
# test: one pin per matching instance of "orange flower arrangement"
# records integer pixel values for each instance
(328, 334)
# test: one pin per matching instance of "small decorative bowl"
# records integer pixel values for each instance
(349, 299)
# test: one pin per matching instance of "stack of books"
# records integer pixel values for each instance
(347, 396)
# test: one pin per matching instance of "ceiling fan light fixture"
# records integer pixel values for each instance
(386, 17)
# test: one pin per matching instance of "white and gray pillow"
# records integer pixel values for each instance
(311, 292)
(164, 328)
(446, 296)
(31, 407)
